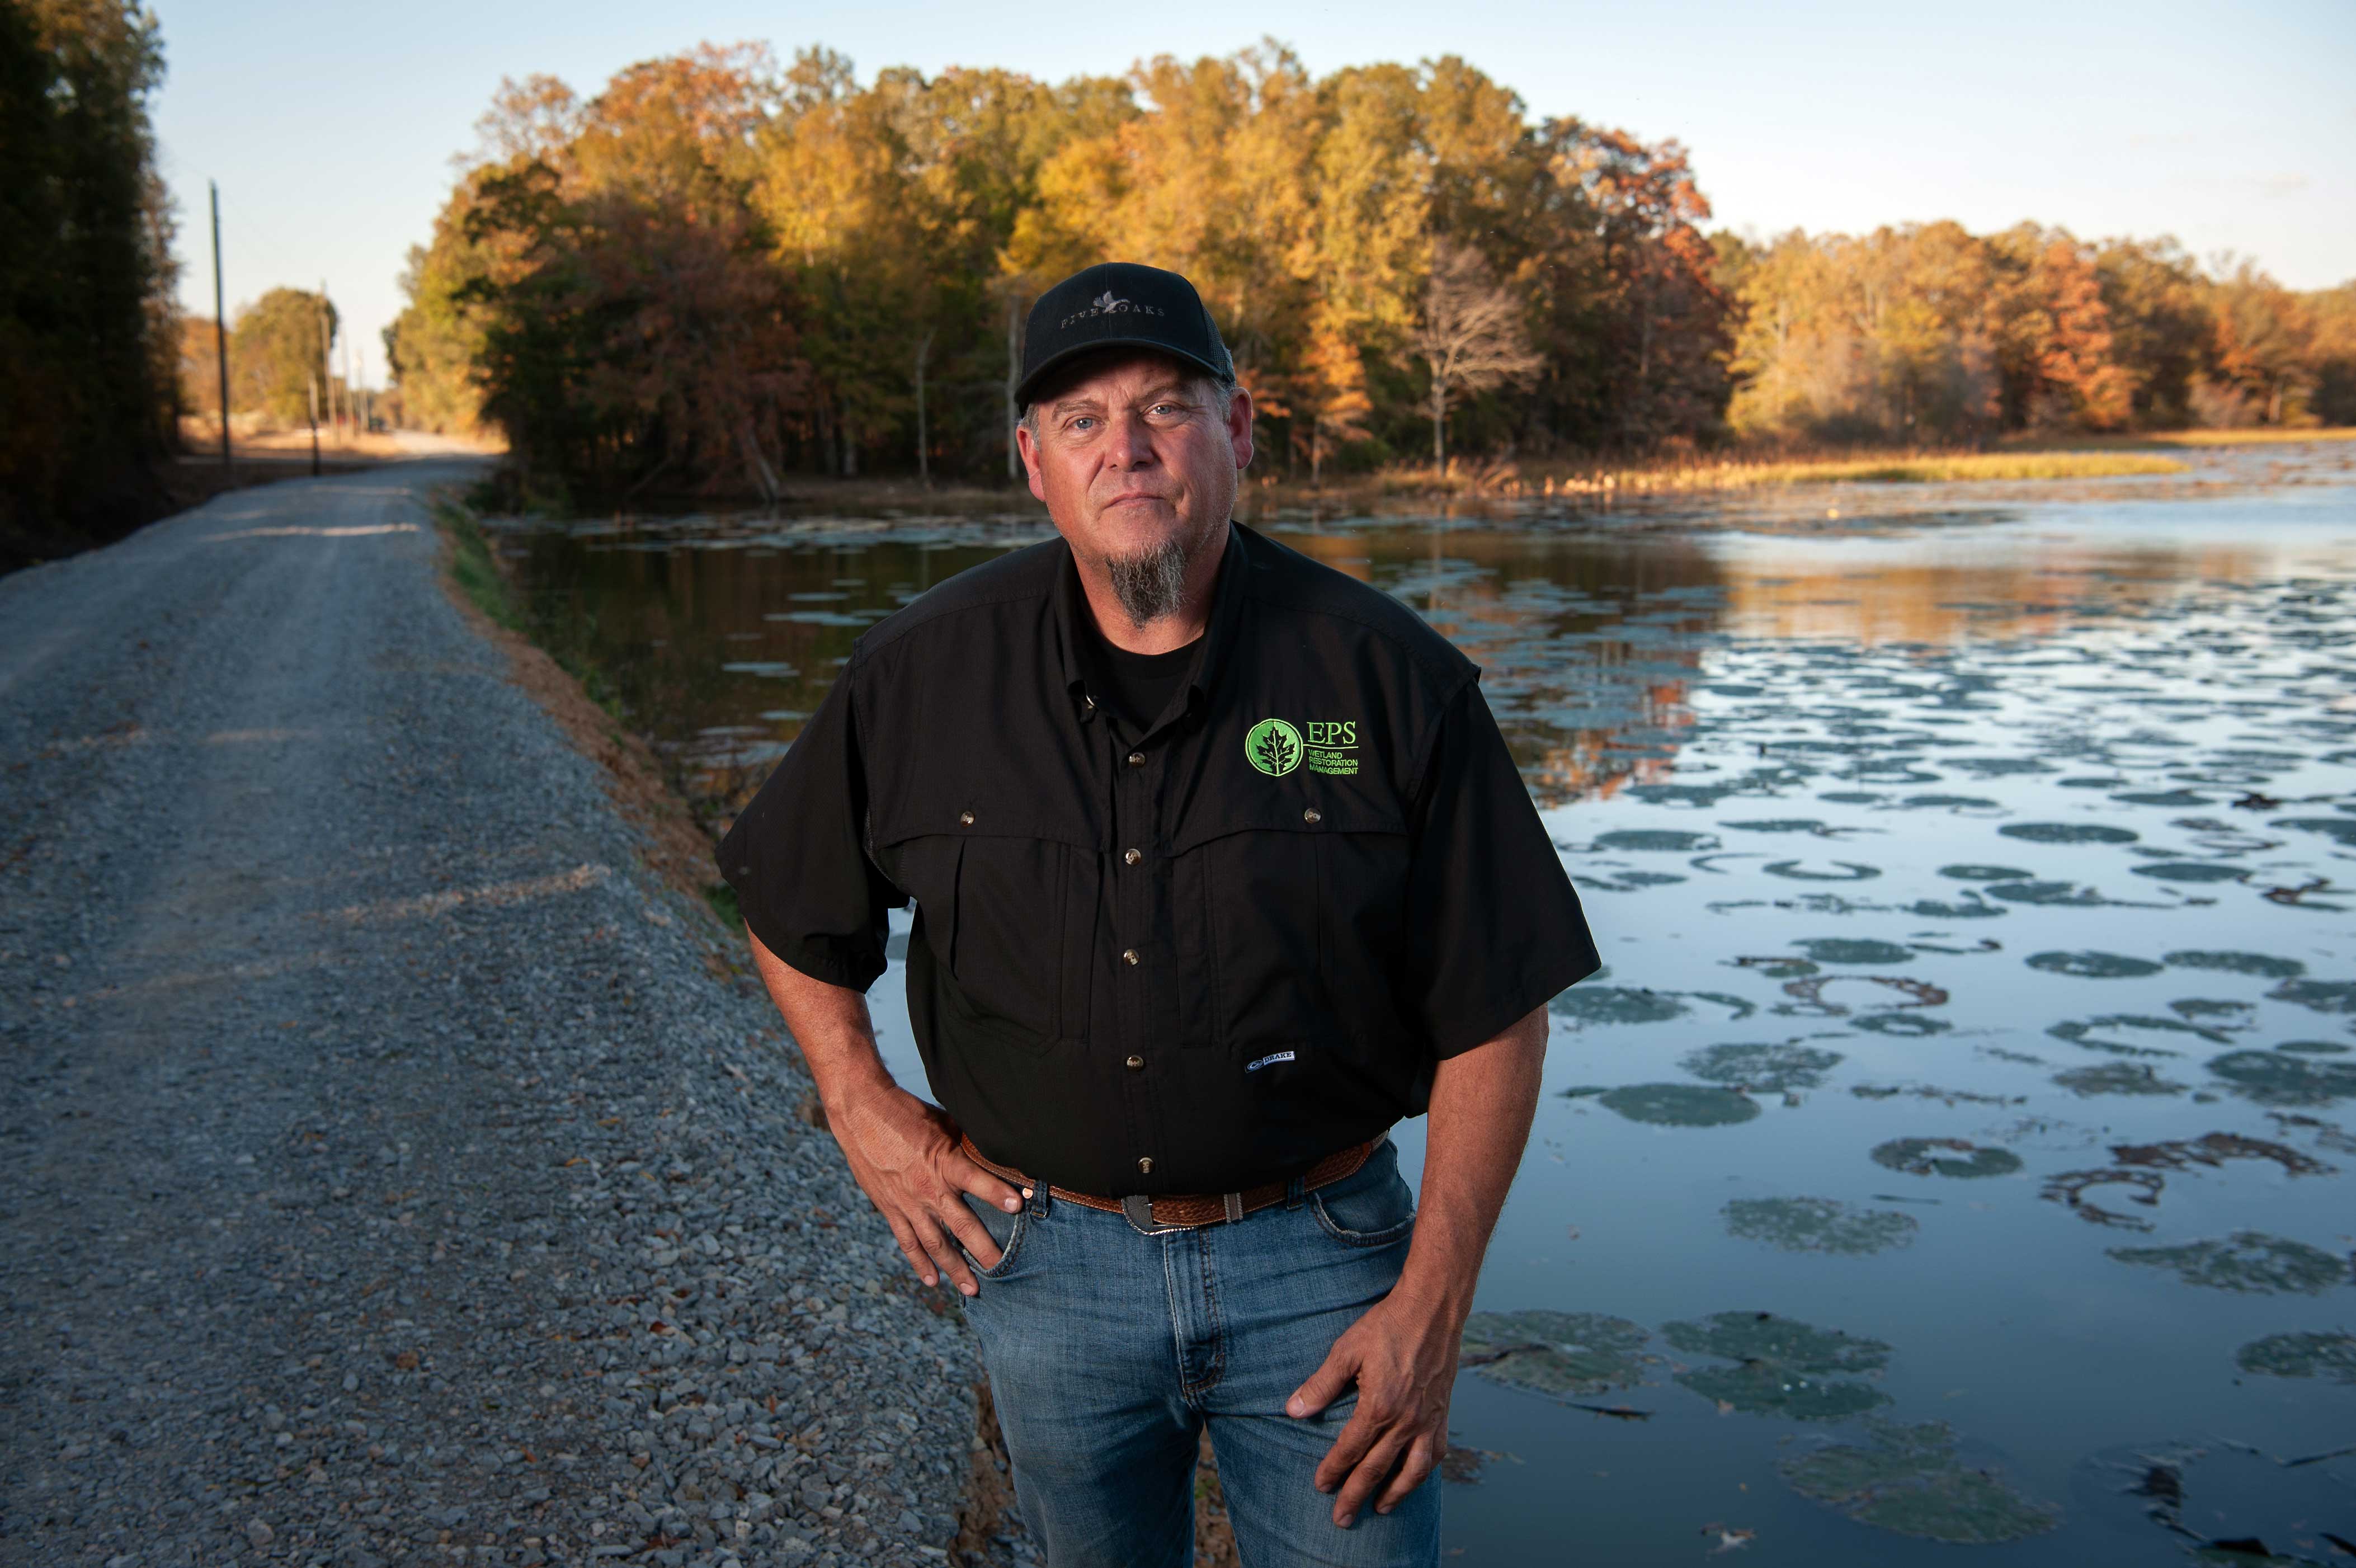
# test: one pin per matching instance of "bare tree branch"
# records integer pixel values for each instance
(1471, 337)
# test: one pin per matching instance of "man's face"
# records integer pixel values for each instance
(1135, 455)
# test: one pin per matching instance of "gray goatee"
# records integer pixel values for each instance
(1150, 585)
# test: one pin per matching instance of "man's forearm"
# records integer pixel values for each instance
(1481, 1105)
(830, 1025)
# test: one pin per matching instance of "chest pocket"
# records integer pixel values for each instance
(1007, 913)
(1304, 926)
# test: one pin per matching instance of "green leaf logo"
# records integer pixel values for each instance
(1273, 747)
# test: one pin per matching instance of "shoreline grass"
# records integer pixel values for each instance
(1508, 480)
(2256, 435)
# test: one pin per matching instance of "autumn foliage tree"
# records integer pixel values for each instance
(720, 270)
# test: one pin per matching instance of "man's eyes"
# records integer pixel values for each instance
(1083, 424)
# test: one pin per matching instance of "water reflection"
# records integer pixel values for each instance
(1976, 897)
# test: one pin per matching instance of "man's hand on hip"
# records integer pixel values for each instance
(905, 1156)
(1402, 1356)
(1402, 1352)
(903, 1151)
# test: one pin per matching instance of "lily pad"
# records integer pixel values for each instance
(1557, 1353)
(2103, 1034)
(1757, 1388)
(2068, 894)
(1834, 871)
(1763, 1336)
(1851, 949)
(2067, 833)
(2178, 798)
(1680, 1105)
(2222, 1012)
(2318, 995)
(1911, 1483)
(1764, 1070)
(1617, 1005)
(1986, 872)
(2092, 965)
(2191, 871)
(1655, 840)
(1941, 909)
(2340, 829)
(1914, 1026)
(1786, 1368)
(2332, 1356)
(2281, 1078)
(1818, 1225)
(2258, 964)
(1944, 1156)
(2314, 1048)
(2248, 1260)
(1999, 767)
(2117, 1078)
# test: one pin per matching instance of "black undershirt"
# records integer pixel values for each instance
(1138, 687)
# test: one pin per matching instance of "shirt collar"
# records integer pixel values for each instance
(1218, 634)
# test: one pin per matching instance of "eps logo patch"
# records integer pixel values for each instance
(1276, 747)
(1273, 747)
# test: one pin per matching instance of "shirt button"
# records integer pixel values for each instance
(1132, 856)
(1137, 759)
(965, 817)
(1145, 1165)
(1310, 815)
(1129, 956)
(1135, 1064)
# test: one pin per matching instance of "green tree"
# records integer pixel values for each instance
(88, 331)
(279, 355)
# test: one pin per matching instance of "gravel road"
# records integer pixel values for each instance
(388, 1171)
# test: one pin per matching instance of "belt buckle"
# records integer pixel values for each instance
(1138, 1209)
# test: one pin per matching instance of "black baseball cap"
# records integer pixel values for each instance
(1120, 304)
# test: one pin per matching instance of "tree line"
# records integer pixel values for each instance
(86, 323)
(1928, 333)
(716, 272)
(281, 350)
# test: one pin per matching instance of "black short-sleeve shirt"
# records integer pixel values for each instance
(1189, 956)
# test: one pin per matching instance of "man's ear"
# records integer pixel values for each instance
(1029, 448)
(1239, 428)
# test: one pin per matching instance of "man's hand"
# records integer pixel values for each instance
(903, 1152)
(1402, 1356)
(1402, 1352)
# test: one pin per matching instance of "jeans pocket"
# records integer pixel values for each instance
(1006, 1230)
(1369, 1208)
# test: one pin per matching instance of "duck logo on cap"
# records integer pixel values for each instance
(1106, 303)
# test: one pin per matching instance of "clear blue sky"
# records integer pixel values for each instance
(331, 128)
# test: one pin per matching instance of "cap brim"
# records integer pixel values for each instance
(1026, 393)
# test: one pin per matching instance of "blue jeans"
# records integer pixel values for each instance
(1108, 1349)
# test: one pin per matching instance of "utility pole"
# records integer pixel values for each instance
(220, 324)
(314, 423)
(326, 365)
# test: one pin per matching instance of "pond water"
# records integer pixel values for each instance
(1957, 1147)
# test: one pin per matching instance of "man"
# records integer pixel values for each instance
(1221, 868)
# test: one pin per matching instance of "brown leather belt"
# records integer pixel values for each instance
(1190, 1208)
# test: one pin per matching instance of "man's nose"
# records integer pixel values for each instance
(1128, 442)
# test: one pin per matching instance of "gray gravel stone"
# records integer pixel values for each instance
(390, 1165)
